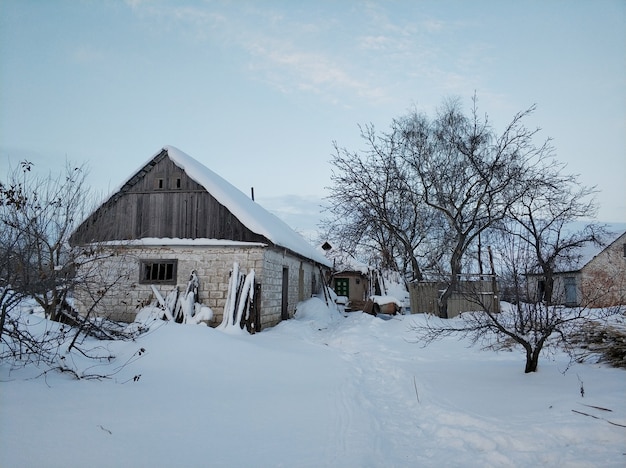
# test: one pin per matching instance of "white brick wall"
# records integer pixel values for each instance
(213, 265)
(271, 302)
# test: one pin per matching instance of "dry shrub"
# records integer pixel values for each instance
(601, 342)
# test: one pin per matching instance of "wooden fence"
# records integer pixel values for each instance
(470, 296)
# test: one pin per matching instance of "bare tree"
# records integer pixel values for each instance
(549, 219)
(533, 325)
(12, 197)
(373, 209)
(39, 228)
(538, 235)
(37, 216)
(425, 192)
(467, 173)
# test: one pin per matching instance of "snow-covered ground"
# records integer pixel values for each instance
(321, 390)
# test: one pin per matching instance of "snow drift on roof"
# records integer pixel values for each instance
(346, 262)
(251, 214)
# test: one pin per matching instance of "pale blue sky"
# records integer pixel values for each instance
(258, 90)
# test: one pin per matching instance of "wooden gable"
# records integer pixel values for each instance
(162, 201)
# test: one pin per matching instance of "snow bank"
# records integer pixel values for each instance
(316, 312)
(352, 391)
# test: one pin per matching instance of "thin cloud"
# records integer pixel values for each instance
(279, 49)
(291, 53)
(87, 54)
(378, 42)
(311, 71)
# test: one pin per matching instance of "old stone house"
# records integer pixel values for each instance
(174, 216)
(598, 279)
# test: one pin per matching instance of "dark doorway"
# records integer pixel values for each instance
(284, 311)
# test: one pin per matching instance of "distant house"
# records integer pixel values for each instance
(353, 281)
(354, 284)
(174, 216)
(598, 279)
(362, 287)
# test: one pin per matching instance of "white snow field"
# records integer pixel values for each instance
(321, 390)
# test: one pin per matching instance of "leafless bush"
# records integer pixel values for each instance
(602, 341)
(37, 216)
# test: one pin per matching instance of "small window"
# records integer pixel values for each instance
(178, 183)
(624, 250)
(342, 287)
(158, 271)
(159, 184)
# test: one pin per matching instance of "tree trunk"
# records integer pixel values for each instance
(417, 272)
(532, 359)
(548, 290)
(480, 257)
(443, 301)
(2, 320)
(455, 271)
(548, 279)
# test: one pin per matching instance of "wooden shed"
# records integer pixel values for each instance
(174, 216)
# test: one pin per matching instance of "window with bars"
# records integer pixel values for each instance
(158, 271)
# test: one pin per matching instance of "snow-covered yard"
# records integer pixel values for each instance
(319, 390)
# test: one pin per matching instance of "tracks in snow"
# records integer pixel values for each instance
(376, 397)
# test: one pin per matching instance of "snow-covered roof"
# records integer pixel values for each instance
(345, 262)
(352, 264)
(589, 251)
(251, 214)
